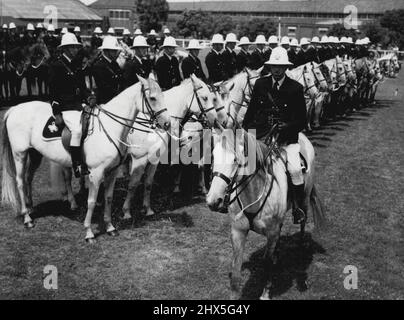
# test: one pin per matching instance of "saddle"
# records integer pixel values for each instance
(53, 132)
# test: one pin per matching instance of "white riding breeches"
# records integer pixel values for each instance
(294, 165)
(72, 120)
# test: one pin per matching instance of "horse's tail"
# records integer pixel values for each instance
(9, 191)
(319, 216)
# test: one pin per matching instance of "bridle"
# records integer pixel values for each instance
(233, 186)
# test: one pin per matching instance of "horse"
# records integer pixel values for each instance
(24, 147)
(146, 147)
(257, 194)
(240, 88)
(306, 78)
(322, 96)
(338, 79)
(38, 70)
(192, 134)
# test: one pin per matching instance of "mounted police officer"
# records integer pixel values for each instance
(138, 65)
(305, 54)
(258, 56)
(167, 66)
(214, 60)
(77, 33)
(229, 56)
(68, 92)
(293, 51)
(106, 71)
(96, 40)
(127, 39)
(279, 100)
(315, 49)
(323, 51)
(243, 57)
(192, 64)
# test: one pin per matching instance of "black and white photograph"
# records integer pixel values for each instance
(192, 150)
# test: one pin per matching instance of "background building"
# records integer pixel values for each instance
(121, 14)
(302, 18)
(69, 13)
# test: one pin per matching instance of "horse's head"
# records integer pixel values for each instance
(203, 104)
(319, 77)
(309, 82)
(349, 70)
(153, 103)
(230, 163)
(221, 102)
(340, 71)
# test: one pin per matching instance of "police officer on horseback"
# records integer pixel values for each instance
(139, 64)
(68, 92)
(214, 60)
(278, 101)
(192, 64)
(167, 66)
(106, 71)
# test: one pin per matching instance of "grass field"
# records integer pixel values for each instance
(185, 251)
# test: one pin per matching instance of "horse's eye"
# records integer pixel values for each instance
(153, 99)
(205, 98)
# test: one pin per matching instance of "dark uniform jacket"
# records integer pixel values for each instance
(214, 63)
(96, 42)
(242, 60)
(292, 56)
(288, 106)
(134, 67)
(192, 65)
(108, 78)
(230, 63)
(67, 87)
(257, 59)
(304, 57)
(168, 72)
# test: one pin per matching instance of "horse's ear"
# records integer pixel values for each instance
(143, 81)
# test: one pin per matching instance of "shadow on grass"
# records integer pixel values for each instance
(294, 259)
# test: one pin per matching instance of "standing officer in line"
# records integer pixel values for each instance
(192, 64)
(77, 32)
(214, 60)
(127, 39)
(229, 56)
(243, 57)
(279, 100)
(167, 66)
(106, 71)
(258, 56)
(138, 65)
(68, 92)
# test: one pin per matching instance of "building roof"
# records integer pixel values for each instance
(113, 4)
(302, 6)
(34, 9)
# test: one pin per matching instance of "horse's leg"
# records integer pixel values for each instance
(177, 179)
(109, 184)
(20, 160)
(137, 171)
(201, 172)
(148, 184)
(35, 159)
(95, 179)
(238, 240)
(273, 234)
(67, 174)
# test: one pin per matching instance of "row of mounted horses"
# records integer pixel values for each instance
(141, 124)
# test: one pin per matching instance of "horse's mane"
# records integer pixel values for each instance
(248, 139)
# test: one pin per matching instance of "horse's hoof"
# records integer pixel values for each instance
(29, 225)
(91, 241)
(150, 213)
(113, 233)
(127, 217)
(265, 295)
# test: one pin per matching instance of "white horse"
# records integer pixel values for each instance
(192, 97)
(23, 148)
(259, 197)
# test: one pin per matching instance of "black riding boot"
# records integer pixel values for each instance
(77, 162)
(299, 212)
